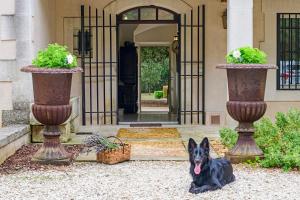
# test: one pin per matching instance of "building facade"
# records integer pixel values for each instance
(205, 30)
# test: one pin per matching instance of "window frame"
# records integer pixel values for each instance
(154, 21)
(281, 51)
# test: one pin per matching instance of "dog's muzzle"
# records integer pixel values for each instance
(197, 168)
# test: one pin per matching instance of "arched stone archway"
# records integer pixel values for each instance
(118, 6)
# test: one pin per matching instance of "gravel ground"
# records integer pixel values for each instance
(143, 180)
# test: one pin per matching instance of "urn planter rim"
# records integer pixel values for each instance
(41, 70)
(246, 66)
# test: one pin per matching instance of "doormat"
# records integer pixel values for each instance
(158, 150)
(154, 143)
(148, 133)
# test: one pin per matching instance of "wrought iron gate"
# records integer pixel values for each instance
(192, 67)
(98, 50)
(99, 62)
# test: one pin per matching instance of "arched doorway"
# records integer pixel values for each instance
(141, 76)
(100, 59)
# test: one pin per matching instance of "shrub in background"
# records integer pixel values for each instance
(246, 55)
(280, 141)
(228, 137)
(158, 94)
(55, 56)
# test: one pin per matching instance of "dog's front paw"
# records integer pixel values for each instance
(193, 188)
(201, 190)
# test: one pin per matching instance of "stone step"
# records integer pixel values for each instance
(11, 139)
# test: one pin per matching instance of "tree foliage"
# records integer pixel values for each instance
(154, 68)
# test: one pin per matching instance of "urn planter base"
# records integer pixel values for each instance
(246, 113)
(235, 159)
(245, 149)
(52, 151)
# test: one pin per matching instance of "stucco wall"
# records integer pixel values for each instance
(126, 33)
(7, 30)
(44, 19)
(269, 44)
(8, 53)
(266, 39)
(157, 34)
(25, 28)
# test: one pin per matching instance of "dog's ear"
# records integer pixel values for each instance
(205, 144)
(192, 144)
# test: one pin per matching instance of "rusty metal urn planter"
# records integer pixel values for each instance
(51, 107)
(246, 86)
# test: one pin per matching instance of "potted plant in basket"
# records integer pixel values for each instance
(246, 74)
(108, 152)
(52, 71)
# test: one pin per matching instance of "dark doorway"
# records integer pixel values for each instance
(128, 78)
(147, 30)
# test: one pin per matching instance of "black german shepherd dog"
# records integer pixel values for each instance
(208, 174)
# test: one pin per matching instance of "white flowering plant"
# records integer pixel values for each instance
(246, 55)
(55, 56)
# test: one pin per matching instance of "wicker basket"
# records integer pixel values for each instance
(116, 155)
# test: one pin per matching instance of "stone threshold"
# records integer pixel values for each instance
(11, 139)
